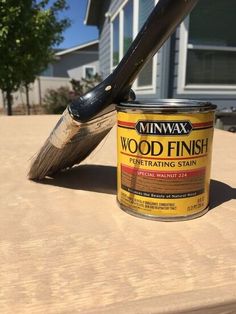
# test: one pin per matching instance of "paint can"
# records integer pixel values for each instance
(164, 158)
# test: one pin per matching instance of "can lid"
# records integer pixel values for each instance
(167, 105)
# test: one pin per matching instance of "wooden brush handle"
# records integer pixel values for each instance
(161, 23)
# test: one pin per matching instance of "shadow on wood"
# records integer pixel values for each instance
(96, 178)
(220, 193)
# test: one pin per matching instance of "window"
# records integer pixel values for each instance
(48, 71)
(122, 32)
(125, 25)
(128, 26)
(145, 77)
(208, 36)
(89, 72)
(116, 35)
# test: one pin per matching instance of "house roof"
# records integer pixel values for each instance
(76, 48)
(92, 12)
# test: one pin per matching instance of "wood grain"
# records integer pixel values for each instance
(66, 246)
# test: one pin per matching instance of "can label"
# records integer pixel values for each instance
(164, 163)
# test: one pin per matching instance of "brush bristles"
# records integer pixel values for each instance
(51, 159)
(70, 143)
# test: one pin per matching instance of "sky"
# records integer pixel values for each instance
(77, 33)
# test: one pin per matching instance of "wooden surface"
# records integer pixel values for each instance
(66, 246)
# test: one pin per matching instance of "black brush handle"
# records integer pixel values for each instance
(161, 23)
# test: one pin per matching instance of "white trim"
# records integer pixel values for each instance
(209, 89)
(63, 52)
(198, 89)
(209, 47)
(135, 17)
(113, 16)
(87, 11)
(121, 35)
(183, 42)
(111, 47)
(88, 66)
(135, 33)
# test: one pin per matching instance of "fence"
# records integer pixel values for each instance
(37, 91)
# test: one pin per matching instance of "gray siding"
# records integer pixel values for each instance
(71, 64)
(104, 41)
(105, 36)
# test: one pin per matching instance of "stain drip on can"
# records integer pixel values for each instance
(164, 158)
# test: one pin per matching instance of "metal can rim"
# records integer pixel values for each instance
(167, 105)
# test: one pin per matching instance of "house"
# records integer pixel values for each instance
(73, 63)
(197, 62)
(77, 62)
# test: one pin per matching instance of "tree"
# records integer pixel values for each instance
(29, 29)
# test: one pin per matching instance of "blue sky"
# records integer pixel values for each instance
(78, 33)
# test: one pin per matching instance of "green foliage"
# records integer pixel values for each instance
(56, 100)
(77, 87)
(28, 31)
(83, 85)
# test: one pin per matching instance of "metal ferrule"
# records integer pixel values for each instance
(64, 130)
(67, 128)
(99, 124)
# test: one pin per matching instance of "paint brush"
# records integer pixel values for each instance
(86, 121)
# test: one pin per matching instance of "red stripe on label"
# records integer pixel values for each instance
(202, 124)
(126, 123)
(195, 125)
(157, 158)
(163, 174)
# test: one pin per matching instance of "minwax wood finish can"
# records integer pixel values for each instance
(164, 158)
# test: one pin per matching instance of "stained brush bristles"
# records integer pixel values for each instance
(51, 159)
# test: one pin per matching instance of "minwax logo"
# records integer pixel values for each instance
(163, 127)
